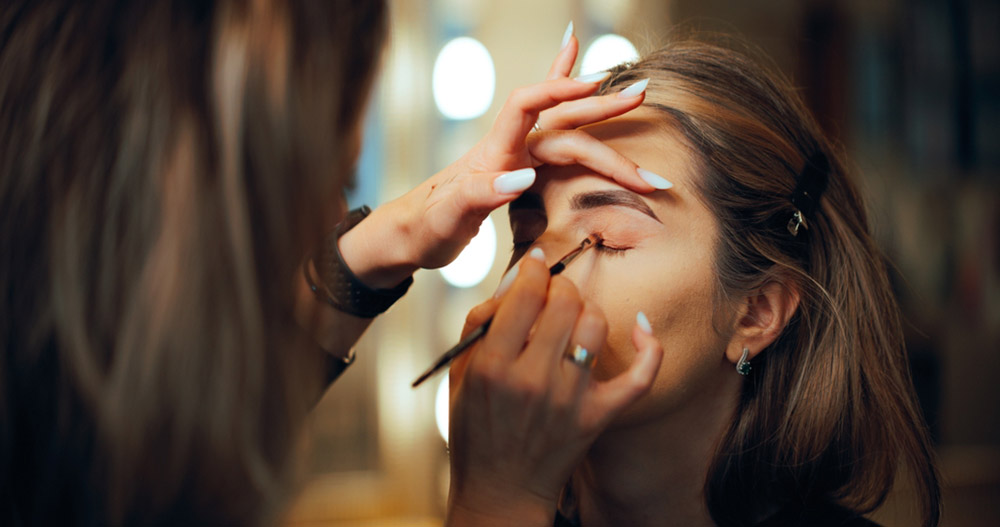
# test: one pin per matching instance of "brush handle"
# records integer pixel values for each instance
(469, 339)
(454, 352)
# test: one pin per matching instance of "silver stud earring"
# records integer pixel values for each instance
(743, 366)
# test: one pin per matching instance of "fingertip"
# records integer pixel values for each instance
(514, 182)
(653, 179)
(646, 367)
(567, 36)
(534, 265)
(643, 323)
(479, 314)
(637, 88)
(506, 281)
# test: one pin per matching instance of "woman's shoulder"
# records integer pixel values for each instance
(816, 515)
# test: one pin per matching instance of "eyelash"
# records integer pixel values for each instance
(601, 247)
(609, 250)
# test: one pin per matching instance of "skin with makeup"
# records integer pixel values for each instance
(655, 257)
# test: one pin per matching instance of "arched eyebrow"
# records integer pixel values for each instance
(611, 198)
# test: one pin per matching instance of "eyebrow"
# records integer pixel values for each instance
(611, 198)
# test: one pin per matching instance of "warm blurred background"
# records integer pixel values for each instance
(911, 87)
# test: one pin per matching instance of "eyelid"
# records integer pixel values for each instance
(609, 249)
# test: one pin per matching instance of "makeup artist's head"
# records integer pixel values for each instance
(827, 412)
(163, 166)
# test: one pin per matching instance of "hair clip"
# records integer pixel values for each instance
(797, 221)
(808, 189)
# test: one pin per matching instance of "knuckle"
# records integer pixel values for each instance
(534, 276)
(561, 408)
(486, 371)
(529, 293)
(527, 388)
(564, 295)
(593, 313)
(595, 323)
(480, 313)
(518, 97)
(578, 136)
(639, 384)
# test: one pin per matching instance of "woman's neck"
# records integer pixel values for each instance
(654, 473)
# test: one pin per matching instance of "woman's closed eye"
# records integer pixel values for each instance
(605, 247)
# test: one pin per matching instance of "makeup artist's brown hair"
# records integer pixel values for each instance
(163, 167)
(829, 413)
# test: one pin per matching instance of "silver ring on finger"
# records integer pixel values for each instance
(535, 127)
(580, 355)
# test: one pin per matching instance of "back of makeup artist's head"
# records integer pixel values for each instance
(163, 166)
(828, 412)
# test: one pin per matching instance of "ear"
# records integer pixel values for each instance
(762, 318)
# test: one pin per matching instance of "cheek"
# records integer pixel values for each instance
(679, 305)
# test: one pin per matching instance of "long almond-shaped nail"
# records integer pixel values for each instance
(654, 180)
(514, 182)
(634, 89)
(537, 254)
(566, 35)
(506, 282)
(593, 77)
(643, 322)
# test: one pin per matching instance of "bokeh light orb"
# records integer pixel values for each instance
(476, 260)
(441, 408)
(606, 52)
(464, 79)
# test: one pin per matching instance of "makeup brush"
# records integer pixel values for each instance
(475, 334)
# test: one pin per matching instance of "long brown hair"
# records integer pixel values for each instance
(829, 412)
(163, 167)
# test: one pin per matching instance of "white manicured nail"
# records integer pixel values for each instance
(514, 182)
(593, 77)
(506, 282)
(566, 35)
(537, 254)
(634, 89)
(640, 318)
(654, 180)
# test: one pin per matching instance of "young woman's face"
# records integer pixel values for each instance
(658, 258)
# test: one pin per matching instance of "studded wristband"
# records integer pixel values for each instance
(339, 287)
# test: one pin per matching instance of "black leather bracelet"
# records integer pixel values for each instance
(340, 287)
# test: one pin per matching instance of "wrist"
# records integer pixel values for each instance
(374, 251)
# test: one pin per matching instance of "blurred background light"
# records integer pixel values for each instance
(475, 261)
(464, 79)
(608, 13)
(441, 408)
(607, 51)
(459, 13)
